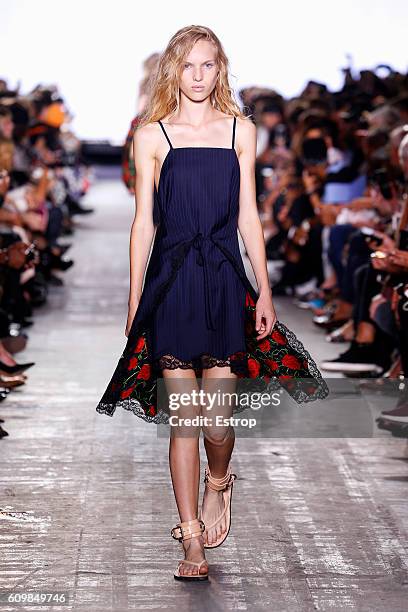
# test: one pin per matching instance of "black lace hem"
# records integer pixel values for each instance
(203, 361)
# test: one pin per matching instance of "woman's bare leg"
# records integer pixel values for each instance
(219, 443)
(184, 461)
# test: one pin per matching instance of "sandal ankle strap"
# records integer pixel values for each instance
(219, 484)
(215, 480)
(187, 530)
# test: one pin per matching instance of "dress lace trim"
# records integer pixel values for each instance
(202, 361)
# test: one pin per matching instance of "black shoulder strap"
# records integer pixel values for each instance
(233, 131)
(164, 131)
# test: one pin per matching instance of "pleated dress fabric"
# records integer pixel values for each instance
(203, 311)
(197, 307)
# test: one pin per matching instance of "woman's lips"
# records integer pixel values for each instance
(198, 87)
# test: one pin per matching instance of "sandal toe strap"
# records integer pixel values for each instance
(222, 514)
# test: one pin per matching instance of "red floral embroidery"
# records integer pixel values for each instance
(248, 300)
(133, 363)
(127, 392)
(144, 372)
(291, 362)
(277, 336)
(264, 345)
(253, 367)
(274, 365)
(140, 344)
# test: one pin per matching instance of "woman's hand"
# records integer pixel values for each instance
(265, 315)
(131, 315)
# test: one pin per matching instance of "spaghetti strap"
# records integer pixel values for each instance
(168, 139)
(233, 131)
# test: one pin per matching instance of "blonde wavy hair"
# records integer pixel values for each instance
(164, 97)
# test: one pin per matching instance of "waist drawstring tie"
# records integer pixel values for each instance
(198, 242)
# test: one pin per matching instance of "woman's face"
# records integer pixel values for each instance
(199, 71)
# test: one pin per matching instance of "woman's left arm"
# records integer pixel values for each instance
(250, 227)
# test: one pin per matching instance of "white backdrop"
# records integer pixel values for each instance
(93, 49)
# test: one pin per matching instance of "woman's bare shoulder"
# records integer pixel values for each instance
(146, 136)
(245, 133)
(246, 125)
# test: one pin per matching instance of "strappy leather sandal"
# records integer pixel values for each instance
(224, 484)
(186, 531)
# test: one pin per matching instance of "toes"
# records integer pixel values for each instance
(219, 530)
(187, 569)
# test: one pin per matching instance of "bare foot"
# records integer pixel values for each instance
(194, 551)
(212, 507)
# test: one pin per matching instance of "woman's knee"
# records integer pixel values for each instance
(218, 435)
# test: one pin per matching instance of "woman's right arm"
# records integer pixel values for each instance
(142, 230)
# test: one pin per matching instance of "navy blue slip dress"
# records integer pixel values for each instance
(198, 191)
(197, 309)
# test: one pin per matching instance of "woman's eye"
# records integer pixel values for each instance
(209, 65)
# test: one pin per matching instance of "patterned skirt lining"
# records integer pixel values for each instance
(277, 361)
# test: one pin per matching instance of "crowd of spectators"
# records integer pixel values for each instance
(332, 170)
(42, 180)
(331, 187)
